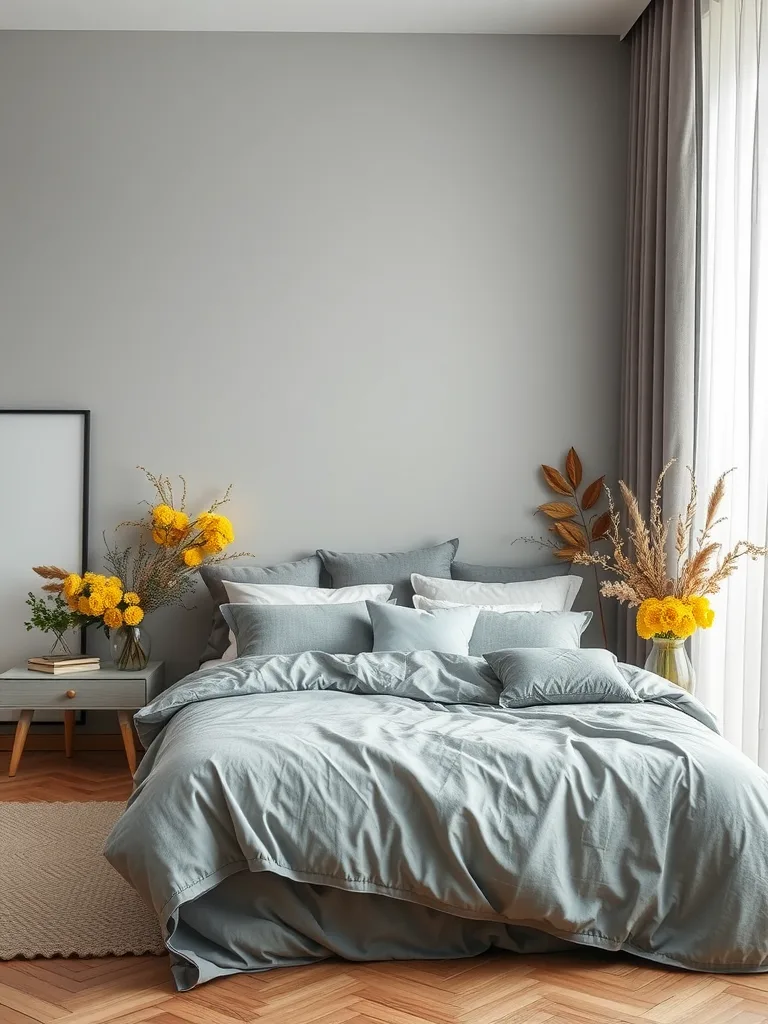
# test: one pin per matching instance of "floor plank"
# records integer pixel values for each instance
(567, 988)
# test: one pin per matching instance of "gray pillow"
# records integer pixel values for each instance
(304, 573)
(496, 631)
(295, 628)
(506, 574)
(350, 569)
(550, 676)
(447, 630)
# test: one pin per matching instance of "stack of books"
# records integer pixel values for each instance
(60, 664)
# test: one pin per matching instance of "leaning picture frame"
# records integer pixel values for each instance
(44, 517)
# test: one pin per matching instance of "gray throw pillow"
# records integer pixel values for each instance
(550, 676)
(496, 631)
(304, 573)
(350, 569)
(295, 628)
(506, 574)
(447, 630)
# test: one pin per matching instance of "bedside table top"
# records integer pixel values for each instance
(108, 671)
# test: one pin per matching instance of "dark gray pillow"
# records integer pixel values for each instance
(506, 574)
(304, 573)
(350, 569)
(549, 676)
(496, 631)
(295, 628)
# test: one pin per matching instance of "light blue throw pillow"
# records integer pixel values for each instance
(447, 630)
(294, 628)
(496, 631)
(532, 676)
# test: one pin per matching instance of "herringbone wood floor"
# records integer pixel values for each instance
(567, 988)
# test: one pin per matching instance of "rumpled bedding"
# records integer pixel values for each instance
(384, 805)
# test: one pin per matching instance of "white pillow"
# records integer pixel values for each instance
(553, 595)
(273, 593)
(426, 604)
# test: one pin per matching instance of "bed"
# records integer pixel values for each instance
(380, 805)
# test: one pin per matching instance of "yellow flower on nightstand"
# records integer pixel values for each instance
(162, 515)
(113, 618)
(96, 604)
(72, 585)
(160, 537)
(115, 581)
(192, 557)
(180, 521)
(133, 615)
(130, 597)
(84, 606)
(112, 596)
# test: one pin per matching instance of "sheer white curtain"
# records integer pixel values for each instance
(731, 659)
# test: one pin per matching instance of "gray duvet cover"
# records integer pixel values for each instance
(384, 805)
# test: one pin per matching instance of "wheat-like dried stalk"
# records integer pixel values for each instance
(50, 572)
(645, 575)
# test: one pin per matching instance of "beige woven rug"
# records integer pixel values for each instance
(58, 895)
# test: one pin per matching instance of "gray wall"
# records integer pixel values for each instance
(373, 281)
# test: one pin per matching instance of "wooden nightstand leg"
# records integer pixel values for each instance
(19, 739)
(69, 732)
(126, 728)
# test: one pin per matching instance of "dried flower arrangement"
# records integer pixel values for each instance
(158, 571)
(670, 606)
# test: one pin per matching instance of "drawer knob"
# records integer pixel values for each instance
(71, 693)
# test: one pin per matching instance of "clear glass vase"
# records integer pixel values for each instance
(669, 659)
(131, 647)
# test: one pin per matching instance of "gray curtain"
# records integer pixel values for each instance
(660, 323)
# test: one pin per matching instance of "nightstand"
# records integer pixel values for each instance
(108, 689)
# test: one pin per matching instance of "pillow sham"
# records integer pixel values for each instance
(349, 569)
(303, 573)
(294, 628)
(505, 574)
(555, 594)
(495, 631)
(426, 604)
(270, 593)
(552, 676)
(447, 630)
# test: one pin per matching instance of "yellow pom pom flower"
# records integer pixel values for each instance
(702, 613)
(72, 585)
(112, 596)
(96, 604)
(133, 615)
(649, 618)
(192, 557)
(180, 521)
(113, 618)
(162, 516)
(115, 581)
(160, 537)
(83, 605)
(130, 597)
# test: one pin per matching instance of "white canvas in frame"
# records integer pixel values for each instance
(41, 521)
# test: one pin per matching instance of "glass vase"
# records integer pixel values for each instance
(131, 647)
(669, 659)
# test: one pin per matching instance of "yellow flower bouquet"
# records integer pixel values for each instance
(670, 607)
(158, 570)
